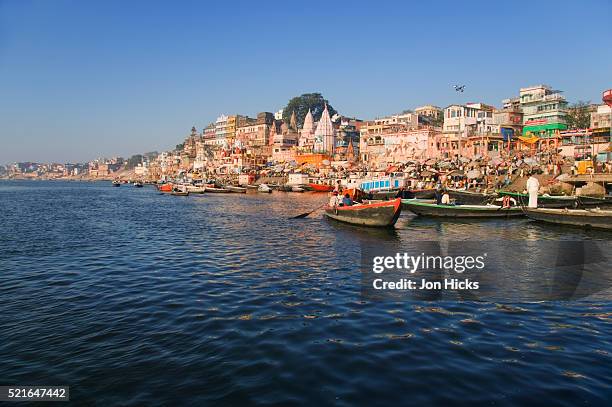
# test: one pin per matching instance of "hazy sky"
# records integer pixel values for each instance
(83, 79)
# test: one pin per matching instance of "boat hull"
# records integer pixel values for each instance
(572, 217)
(470, 198)
(420, 193)
(384, 194)
(543, 201)
(209, 190)
(236, 190)
(591, 201)
(195, 190)
(321, 187)
(461, 211)
(381, 214)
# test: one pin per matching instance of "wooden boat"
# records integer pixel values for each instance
(389, 194)
(464, 197)
(461, 211)
(590, 201)
(235, 189)
(378, 214)
(179, 193)
(544, 201)
(193, 189)
(116, 183)
(428, 193)
(215, 190)
(594, 218)
(265, 189)
(321, 187)
(405, 202)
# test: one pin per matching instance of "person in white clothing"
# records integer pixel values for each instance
(446, 198)
(533, 186)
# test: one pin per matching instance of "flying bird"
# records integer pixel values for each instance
(459, 88)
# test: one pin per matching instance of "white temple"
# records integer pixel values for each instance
(307, 132)
(324, 134)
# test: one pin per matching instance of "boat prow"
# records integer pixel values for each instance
(379, 214)
(589, 218)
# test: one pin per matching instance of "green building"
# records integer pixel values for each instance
(544, 111)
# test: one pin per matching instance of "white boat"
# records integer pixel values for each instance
(195, 189)
(297, 189)
(264, 188)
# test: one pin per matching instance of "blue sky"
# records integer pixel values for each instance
(79, 80)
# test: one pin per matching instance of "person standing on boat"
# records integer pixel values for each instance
(533, 186)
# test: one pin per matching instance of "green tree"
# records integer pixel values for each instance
(133, 161)
(579, 115)
(300, 105)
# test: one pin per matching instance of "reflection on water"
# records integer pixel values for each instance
(137, 298)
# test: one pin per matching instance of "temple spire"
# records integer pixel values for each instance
(293, 122)
(325, 134)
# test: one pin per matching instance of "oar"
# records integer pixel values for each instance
(303, 215)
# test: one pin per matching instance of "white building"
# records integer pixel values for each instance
(470, 119)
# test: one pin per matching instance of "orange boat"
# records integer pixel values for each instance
(165, 188)
(321, 187)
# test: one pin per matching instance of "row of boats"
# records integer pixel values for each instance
(383, 208)
(386, 213)
(186, 189)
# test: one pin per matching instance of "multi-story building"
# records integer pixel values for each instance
(544, 111)
(469, 119)
(601, 119)
(510, 122)
(429, 111)
(255, 132)
(209, 135)
(221, 129)
(469, 130)
(395, 145)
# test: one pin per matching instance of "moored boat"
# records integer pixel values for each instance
(389, 194)
(379, 214)
(235, 189)
(194, 189)
(321, 187)
(138, 184)
(544, 201)
(591, 201)
(215, 190)
(164, 188)
(179, 190)
(179, 193)
(427, 193)
(264, 188)
(594, 218)
(297, 189)
(464, 197)
(461, 211)
(116, 183)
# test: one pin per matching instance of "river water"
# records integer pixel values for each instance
(135, 298)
